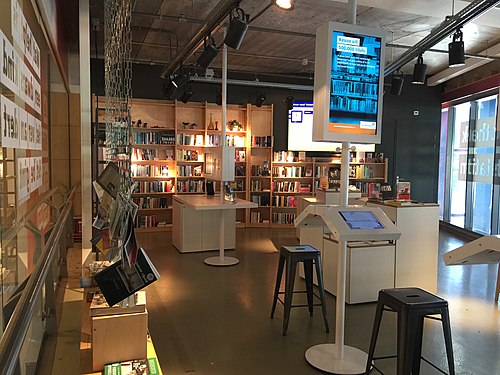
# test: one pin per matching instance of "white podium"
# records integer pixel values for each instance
(346, 224)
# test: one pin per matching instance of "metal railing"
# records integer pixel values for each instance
(15, 333)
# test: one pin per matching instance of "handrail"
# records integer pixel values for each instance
(15, 332)
(10, 233)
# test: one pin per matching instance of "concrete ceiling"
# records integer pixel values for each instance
(280, 42)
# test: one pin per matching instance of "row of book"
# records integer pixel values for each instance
(146, 221)
(190, 139)
(291, 187)
(355, 88)
(257, 217)
(190, 186)
(154, 187)
(189, 170)
(166, 137)
(361, 171)
(284, 156)
(189, 155)
(149, 170)
(260, 170)
(282, 218)
(139, 154)
(292, 171)
(284, 201)
(257, 185)
(238, 185)
(346, 104)
(261, 200)
(151, 202)
(262, 141)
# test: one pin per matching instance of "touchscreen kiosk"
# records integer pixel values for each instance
(353, 223)
(484, 250)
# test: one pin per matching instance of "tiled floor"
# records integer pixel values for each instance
(210, 320)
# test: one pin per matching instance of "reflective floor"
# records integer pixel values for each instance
(215, 320)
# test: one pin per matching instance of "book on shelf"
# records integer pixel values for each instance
(403, 190)
(374, 190)
(144, 366)
(119, 281)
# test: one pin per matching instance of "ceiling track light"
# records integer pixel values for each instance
(261, 98)
(180, 80)
(238, 25)
(419, 71)
(456, 50)
(186, 96)
(397, 82)
(169, 89)
(218, 98)
(284, 4)
(209, 53)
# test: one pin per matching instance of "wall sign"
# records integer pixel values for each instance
(29, 176)
(19, 129)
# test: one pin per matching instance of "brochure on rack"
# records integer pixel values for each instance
(119, 280)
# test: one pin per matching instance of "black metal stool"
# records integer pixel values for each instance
(412, 305)
(292, 255)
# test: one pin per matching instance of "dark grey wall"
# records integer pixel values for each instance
(411, 142)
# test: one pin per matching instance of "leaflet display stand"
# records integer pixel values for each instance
(346, 224)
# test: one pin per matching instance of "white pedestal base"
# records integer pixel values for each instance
(322, 357)
(224, 261)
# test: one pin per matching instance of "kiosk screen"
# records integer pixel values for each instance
(361, 220)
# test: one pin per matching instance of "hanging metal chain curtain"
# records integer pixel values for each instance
(118, 84)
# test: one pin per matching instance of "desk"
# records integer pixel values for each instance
(205, 223)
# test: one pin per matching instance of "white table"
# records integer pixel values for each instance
(206, 223)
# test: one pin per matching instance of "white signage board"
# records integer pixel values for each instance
(9, 123)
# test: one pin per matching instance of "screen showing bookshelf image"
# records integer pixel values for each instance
(190, 185)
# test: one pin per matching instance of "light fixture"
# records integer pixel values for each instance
(419, 72)
(238, 25)
(209, 53)
(188, 93)
(397, 81)
(218, 98)
(456, 50)
(289, 102)
(180, 80)
(284, 4)
(261, 98)
(169, 88)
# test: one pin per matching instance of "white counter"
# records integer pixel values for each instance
(196, 221)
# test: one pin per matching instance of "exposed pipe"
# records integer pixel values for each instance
(239, 82)
(447, 27)
(216, 16)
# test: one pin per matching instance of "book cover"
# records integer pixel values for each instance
(119, 281)
(374, 190)
(403, 190)
(134, 367)
(130, 243)
(109, 179)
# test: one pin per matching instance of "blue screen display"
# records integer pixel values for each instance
(354, 83)
(361, 220)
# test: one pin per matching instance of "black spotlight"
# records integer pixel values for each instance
(218, 98)
(188, 93)
(238, 25)
(289, 102)
(209, 53)
(419, 72)
(261, 98)
(397, 81)
(456, 50)
(169, 88)
(180, 80)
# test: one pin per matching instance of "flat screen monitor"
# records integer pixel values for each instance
(300, 128)
(348, 83)
(364, 220)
